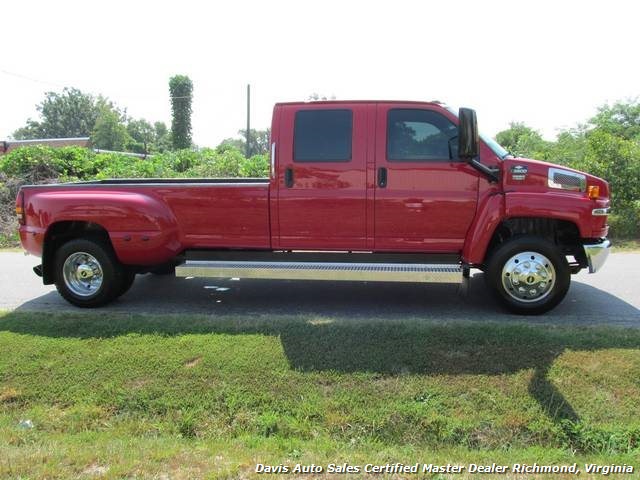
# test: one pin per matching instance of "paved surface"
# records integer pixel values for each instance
(611, 297)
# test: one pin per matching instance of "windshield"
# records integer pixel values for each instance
(498, 149)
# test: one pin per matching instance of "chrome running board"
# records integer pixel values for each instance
(346, 271)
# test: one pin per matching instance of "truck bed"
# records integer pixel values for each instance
(152, 220)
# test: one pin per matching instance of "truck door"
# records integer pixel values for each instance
(425, 197)
(321, 181)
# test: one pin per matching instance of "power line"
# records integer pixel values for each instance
(25, 77)
(46, 82)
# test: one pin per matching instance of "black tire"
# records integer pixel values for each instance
(127, 281)
(166, 269)
(112, 274)
(547, 271)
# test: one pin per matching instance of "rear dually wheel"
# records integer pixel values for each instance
(87, 273)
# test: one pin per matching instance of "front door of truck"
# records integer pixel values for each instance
(322, 177)
(425, 197)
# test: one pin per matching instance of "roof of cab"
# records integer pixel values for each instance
(341, 102)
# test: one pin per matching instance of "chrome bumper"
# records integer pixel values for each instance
(597, 254)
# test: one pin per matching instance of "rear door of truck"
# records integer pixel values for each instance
(321, 176)
(425, 197)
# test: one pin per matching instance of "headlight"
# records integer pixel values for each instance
(566, 180)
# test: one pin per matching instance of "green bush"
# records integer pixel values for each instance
(113, 165)
(624, 222)
(256, 167)
(39, 163)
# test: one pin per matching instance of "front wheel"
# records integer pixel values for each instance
(87, 273)
(529, 275)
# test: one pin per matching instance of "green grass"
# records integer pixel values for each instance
(194, 396)
(9, 240)
(626, 245)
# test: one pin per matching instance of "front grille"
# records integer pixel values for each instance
(566, 180)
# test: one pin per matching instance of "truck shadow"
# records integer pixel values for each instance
(414, 334)
(151, 294)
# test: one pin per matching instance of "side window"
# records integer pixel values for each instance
(416, 135)
(322, 136)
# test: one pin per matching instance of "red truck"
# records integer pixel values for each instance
(358, 190)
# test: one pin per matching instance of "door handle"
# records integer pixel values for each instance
(288, 177)
(382, 177)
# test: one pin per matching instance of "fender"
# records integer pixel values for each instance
(489, 215)
(142, 228)
(498, 207)
(556, 205)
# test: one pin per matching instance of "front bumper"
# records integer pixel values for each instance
(597, 254)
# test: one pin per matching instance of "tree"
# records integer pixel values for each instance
(142, 136)
(163, 137)
(521, 140)
(231, 143)
(181, 91)
(31, 130)
(71, 113)
(146, 138)
(258, 143)
(569, 147)
(620, 119)
(617, 160)
(110, 132)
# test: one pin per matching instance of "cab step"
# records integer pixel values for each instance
(346, 271)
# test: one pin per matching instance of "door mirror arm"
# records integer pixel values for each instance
(492, 173)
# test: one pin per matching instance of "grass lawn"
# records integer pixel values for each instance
(9, 241)
(623, 245)
(122, 396)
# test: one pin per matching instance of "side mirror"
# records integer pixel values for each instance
(467, 134)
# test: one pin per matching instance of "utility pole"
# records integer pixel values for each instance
(248, 136)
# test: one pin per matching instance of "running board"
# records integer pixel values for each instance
(371, 272)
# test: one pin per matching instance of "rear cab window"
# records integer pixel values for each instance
(323, 135)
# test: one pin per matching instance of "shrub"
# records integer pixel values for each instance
(31, 163)
(8, 224)
(625, 220)
(217, 165)
(113, 165)
(256, 167)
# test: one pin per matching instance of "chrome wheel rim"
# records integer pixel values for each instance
(82, 274)
(528, 277)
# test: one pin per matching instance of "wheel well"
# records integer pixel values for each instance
(563, 233)
(61, 232)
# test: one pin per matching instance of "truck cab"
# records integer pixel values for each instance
(372, 176)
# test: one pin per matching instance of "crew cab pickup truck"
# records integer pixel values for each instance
(358, 191)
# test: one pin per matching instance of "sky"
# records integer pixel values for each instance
(549, 64)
